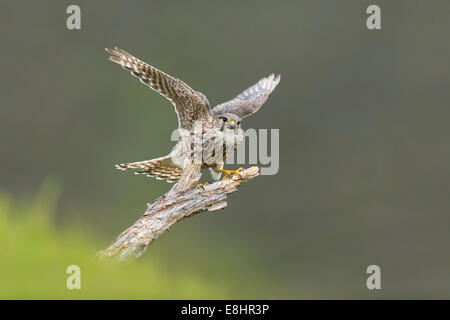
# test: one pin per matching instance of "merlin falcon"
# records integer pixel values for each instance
(207, 135)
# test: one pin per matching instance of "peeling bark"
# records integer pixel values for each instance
(185, 199)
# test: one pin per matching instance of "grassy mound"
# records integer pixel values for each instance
(34, 257)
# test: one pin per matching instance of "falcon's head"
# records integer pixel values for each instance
(228, 121)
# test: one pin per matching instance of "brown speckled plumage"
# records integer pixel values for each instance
(193, 109)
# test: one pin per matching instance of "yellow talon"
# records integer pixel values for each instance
(227, 173)
(201, 185)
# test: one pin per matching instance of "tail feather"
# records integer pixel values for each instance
(161, 168)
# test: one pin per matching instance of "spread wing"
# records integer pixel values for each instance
(190, 105)
(249, 101)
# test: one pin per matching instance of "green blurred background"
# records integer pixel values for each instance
(364, 148)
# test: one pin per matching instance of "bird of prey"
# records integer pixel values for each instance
(207, 135)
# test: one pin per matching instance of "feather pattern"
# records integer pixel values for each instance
(190, 105)
(161, 168)
(250, 100)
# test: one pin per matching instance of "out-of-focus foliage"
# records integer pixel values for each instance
(363, 117)
(34, 257)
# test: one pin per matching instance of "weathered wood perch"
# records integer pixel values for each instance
(183, 200)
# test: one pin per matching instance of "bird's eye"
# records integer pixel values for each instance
(238, 123)
(224, 119)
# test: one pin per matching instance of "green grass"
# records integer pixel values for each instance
(34, 256)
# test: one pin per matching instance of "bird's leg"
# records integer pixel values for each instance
(227, 173)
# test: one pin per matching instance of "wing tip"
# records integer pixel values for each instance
(121, 166)
(118, 52)
(276, 81)
(115, 51)
(115, 59)
(270, 82)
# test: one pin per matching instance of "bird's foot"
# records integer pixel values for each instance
(228, 173)
(202, 185)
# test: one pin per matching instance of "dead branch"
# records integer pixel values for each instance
(185, 199)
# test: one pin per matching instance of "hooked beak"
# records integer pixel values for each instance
(231, 124)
